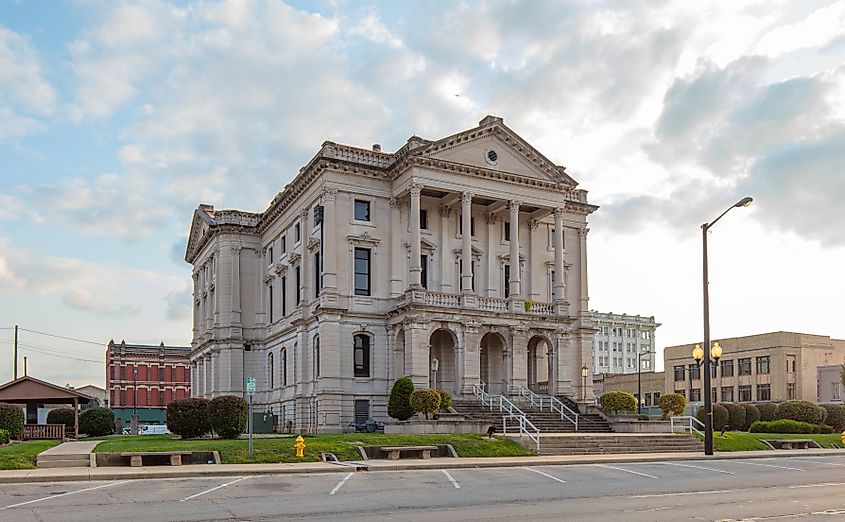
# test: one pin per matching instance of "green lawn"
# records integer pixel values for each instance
(740, 441)
(282, 450)
(22, 455)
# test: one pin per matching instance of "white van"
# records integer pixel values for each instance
(154, 429)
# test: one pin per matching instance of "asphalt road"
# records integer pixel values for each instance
(810, 488)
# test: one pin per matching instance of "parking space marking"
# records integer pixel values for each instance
(451, 479)
(823, 485)
(698, 467)
(545, 475)
(686, 493)
(215, 488)
(66, 494)
(627, 471)
(821, 462)
(341, 483)
(767, 465)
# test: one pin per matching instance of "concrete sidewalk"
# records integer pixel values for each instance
(221, 470)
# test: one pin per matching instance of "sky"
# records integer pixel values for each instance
(117, 119)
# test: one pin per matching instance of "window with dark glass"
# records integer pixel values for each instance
(507, 231)
(317, 356)
(695, 395)
(362, 271)
(682, 393)
(744, 393)
(298, 286)
(727, 393)
(271, 303)
(727, 368)
(362, 210)
(284, 296)
(679, 373)
(790, 391)
(424, 273)
(270, 254)
(763, 364)
(362, 355)
(694, 371)
(282, 245)
(318, 275)
(284, 356)
(744, 366)
(271, 372)
(713, 369)
(471, 226)
(297, 233)
(362, 410)
(764, 392)
(423, 219)
(507, 280)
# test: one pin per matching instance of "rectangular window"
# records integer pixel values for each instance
(727, 368)
(318, 275)
(763, 364)
(679, 373)
(362, 271)
(284, 355)
(471, 226)
(682, 393)
(790, 364)
(362, 210)
(424, 273)
(270, 254)
(764, 392)
(744, 393)
(362, 411)
(744, 366)
(271, 303)
(695, 395)
(283, 244)
(727, 393)
(317, 357)
(507, 281)
(297, 233)
(507, 231)
(714, 398)
(790, 391)
(713, 369)
(423, 219)
(284, 296)
(122, 372)
(835, 394)
(361, 355)
(298, 286)
(694, 372)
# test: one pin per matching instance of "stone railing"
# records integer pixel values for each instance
(493, 304)
(356, 155)
(542, 308)
(442, 299)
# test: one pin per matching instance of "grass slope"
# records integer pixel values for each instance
(22, 455)
(739, 441)
(281, 449)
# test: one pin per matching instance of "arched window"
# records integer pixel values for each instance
(271, 373)
(284, 355)
(362, 355)
(316, 356)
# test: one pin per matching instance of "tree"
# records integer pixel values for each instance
(425, 400)
(399, 404)
(616, 401)
(227, 415)
(673, 403)
(188, 418)
(96, 422)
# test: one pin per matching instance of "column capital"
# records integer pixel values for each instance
(514, 204)
(415, 189)
(236, 250)
(329, 194)
(395, 203)
(490, 218)
(559, 212)
(303, 213)
(582, 232)
(466, 198)
(445, 210)
(533, 224)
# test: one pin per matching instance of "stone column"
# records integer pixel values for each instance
(260, 316)
(564, 365)
(415, 270)
(305, 261)
(416, 353)
(236, 285)
(395, 248)
(472, 357)
(559, 283)
(329, 246)
(466, 244)
(200, 380)
(445, 261)
(492, 264)
(519, 358)
(584, 299)
(515, 290)
(194, 309)
(529, 291)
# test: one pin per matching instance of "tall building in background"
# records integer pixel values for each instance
(145, 378)
(617, 340)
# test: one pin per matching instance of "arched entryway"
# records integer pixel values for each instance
(492, 363)
(441, 374)
(399, 355)
(539, 365)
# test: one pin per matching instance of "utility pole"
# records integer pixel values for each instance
(16, 351)
(24, 365)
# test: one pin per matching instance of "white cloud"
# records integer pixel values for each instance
(370, 27)
(22, 78)
(820, 27)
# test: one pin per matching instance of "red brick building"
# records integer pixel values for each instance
(145, 379)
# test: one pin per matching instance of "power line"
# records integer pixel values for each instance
(61, 356)
(58, 351)
(101, 344)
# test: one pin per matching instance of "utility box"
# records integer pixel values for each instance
(263, 422)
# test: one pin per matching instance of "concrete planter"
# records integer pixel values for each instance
(624, 424)
(445, 426)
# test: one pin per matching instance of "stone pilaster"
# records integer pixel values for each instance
(395, 248)
(519, 358)
(445, 261)
(471, 360)
(329, 246)
(466, 242)
(560, 277)
(415, 270)
(513, 258)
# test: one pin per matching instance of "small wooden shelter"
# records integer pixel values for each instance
(31, 392)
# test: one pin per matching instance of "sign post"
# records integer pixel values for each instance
(250, 391)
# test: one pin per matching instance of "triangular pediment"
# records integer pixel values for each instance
(201, 222)
(495, 146)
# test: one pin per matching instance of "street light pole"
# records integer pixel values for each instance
(708, 403)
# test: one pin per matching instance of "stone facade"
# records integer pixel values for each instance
(370, 265)
(618, 339)
(653, 385)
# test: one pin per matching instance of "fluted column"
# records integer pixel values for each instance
(492, 264)
(236, 285)
(305, 261)
(395, 248)
(513, 207)
(329, 246)
(559, 283)
(466, 236)
(445, 261)
(582, 236)
(415, 270)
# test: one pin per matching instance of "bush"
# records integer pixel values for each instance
(445, 399)
(62, 416)
(736, 416)
(782, 426)
(227, 415)
(425, 400)
(825, 429)
(96, 422)
(399, 404)
(767, 411)
(835, 416)
(4, 437)
(801, 411)
(616, 401)
(752, 415)
(720, 416)
(188, 418)
(672, 403)
(11, 420)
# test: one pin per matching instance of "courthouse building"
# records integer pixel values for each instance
(458, 262)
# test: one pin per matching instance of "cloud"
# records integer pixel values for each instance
(179, 304)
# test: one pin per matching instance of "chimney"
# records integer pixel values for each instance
(376, 147)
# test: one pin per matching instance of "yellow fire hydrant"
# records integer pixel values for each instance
(300, 446)
(843, 437)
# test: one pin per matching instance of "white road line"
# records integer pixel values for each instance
(546, 475)
(821, 462)
(215, 488)
(66, 494)
(341, 483)
(627, 471)
(767, 465)
(822, 485)
(697, 467)
(451, 479)
(686, 493)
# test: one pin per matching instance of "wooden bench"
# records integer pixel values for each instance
(789, 444)
(393, 452)
(136, 457)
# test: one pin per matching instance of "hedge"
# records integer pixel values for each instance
(824, 429)
(399, 404)
(11, 420)
(802, 411)
(4, 437)
(782, 426)
(672, 403)
(767, 410)
(96, 422)
(835, 416)
(62, 416)
(425, 400)
(616, 401)
(720, 416)
(736, 416)
(752, 415)
(188, 418)
(227, 415)
(445, 399)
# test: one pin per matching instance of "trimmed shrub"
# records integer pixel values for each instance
(425, 400)
(399, 404)
(752, 415)
(96, 422)
(736, 416)
(767, 410)
(835, 416)
(801, 411)
(11, 420)
(188, 418)
(227, 415)
(616, 401)
(782, 426)
(720, 416)
(445, 399)
(4, 437)
(61, 416)
(824, 429)
(672, 404)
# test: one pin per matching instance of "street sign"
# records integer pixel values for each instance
(250, 385)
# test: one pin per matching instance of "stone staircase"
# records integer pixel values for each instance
(66, 455)
(607, 443)
(546, 421)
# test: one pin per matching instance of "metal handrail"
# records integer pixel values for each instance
(553, 403)
(686, 423)
(512, 412)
